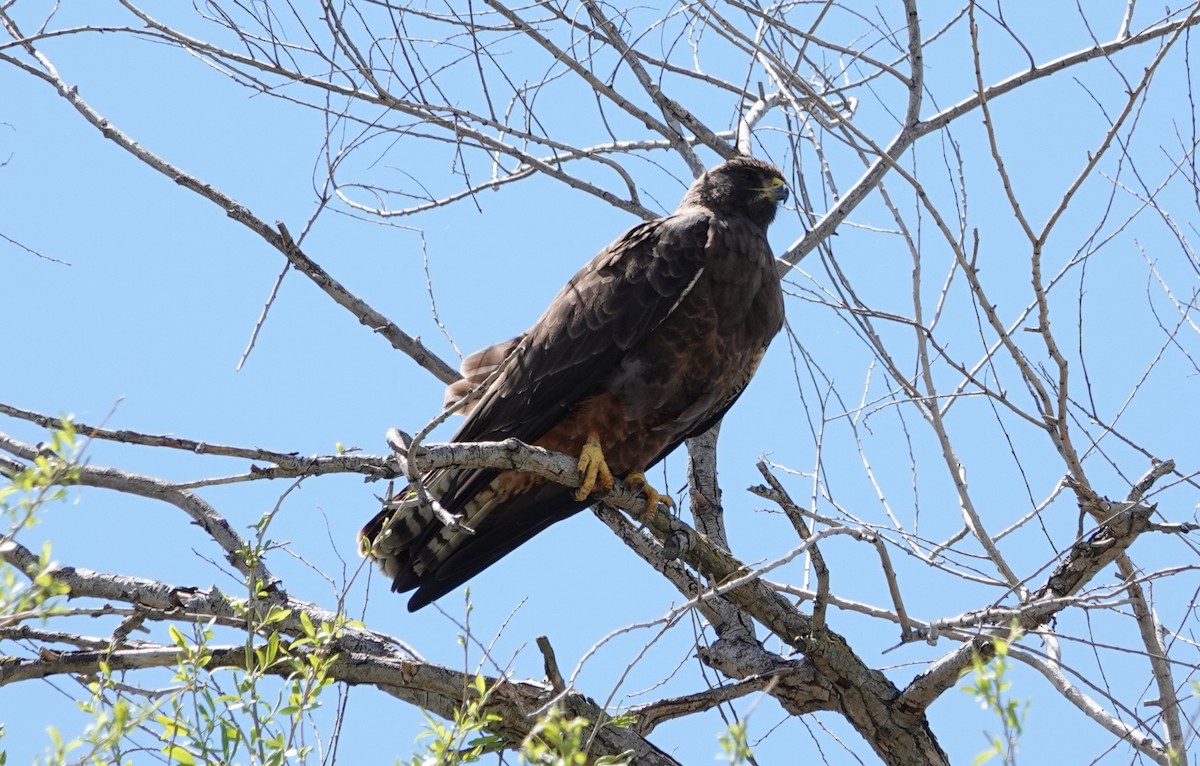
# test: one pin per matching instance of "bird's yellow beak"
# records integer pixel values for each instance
(776, 190)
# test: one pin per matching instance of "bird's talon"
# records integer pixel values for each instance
(637, 482)
(594, 470)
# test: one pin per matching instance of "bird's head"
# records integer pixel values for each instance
(742, 186)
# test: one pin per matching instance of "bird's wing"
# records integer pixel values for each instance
(606, 309)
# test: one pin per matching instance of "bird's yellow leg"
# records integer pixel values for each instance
(637, 482)
(593, 469)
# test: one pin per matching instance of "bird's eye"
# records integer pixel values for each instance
(774, 183)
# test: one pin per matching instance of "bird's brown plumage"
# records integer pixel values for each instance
(648, 345)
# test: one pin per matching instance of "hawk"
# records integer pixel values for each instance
(648, 345)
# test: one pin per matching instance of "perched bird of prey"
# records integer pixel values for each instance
(648, 345)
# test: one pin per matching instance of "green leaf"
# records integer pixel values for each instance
(177, 637)
(278, 614)
(180, 754)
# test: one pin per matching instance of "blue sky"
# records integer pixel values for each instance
(143, 326)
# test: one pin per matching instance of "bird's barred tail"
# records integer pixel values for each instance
(404, 523)
(407, 539)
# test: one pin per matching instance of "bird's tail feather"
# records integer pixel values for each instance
(416, 550)
(397, 532)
